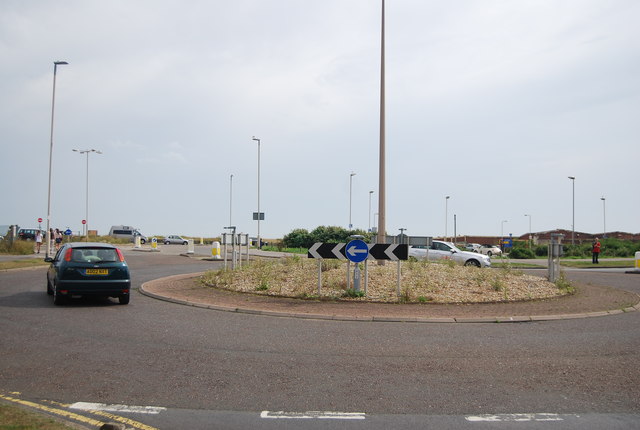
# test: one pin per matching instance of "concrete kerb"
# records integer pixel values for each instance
(144, 289)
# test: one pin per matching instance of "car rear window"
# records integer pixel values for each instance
(94, 255)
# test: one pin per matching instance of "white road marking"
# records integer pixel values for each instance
(84, 406)
(514, 417)
(313, 415)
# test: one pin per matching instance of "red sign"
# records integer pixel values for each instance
(39, 219)
(84, 221)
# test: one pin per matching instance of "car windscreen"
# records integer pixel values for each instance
(94, 255)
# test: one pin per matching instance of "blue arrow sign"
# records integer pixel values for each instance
(67, 232)
(357, 251)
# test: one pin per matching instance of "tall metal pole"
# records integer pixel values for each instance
(53, 103)
(370, 193)
(382, 217)
(86, 225)
(230, 197)
(259, 242)
(350, 196)
(604, 218)
(446, 217)
(529, 230)
(573, 213)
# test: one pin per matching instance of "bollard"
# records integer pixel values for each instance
(638, 260)
(190, 246)
(137, 242)
(215, 250)
(154, 242)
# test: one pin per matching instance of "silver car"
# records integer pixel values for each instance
(174, 240)
(448, 251)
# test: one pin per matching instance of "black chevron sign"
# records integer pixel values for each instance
(327, 250)
(379, 251)
(389, 251)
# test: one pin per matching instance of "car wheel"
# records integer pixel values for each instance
(57, 298)
(123, 299)
(489, 254)
(166, 242)
(142, 241)
(475, 263)
(185, 243)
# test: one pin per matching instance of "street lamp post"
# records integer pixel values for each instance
(446, 216)
(230, 197)
(604, 218)
(370, 194)
(86, 225)
(53, 103)
(350, 195)
(530, 235)
(258, 140)
(573, 211)
(502, 232)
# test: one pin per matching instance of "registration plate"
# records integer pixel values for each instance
(96, 272)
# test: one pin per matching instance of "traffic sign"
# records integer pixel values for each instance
(357, 251)
(389, 251)
(327, 250)
(84, 221)
(67, 232)
(39, 219)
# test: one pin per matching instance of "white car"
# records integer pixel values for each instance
(448, 251)
(174, 240)
(489, 250)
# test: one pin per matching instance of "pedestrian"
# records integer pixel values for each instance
(58, 236)
(38, 240)
(595, 251)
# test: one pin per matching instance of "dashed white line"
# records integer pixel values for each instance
(85, 406)
(514, 417)
(317, 415)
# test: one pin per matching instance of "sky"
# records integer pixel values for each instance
(493, 103)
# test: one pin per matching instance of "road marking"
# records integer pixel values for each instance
(514, 417)
(55, 411)
(85, 406)
(313, 415)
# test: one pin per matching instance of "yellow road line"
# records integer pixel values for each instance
(78, 417)
(54, 411)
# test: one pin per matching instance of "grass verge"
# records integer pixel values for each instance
(18, 264)
(16, 418)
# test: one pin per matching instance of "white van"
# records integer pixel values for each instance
(127, 232)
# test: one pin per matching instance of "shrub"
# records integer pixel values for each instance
(521, 253)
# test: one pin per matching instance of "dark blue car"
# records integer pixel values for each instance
(88, 269)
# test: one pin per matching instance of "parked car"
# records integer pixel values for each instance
(440, 250)
(472, 247)
(174, 240)
(127, 232)
(489, 250)
(28, 233)
(88, 269)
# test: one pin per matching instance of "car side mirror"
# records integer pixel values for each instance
(48, 260)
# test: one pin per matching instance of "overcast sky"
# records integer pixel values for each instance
(493, 103)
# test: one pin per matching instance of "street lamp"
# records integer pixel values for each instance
(350, 195)
(370, 194)
(258, 140)
(529, 229)
(53, 103)
(230, 197)
(573, 204)
(502, 232)
(87, 151)
(604, 218)
(446, 216)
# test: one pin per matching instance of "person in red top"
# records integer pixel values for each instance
(595, 251)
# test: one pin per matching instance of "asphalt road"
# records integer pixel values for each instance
(222, 370)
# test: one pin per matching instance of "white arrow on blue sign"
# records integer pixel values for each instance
(357, 251)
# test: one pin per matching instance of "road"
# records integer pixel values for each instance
(222, 370)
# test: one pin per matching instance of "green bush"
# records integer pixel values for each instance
(521, 253)
(18, 247)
